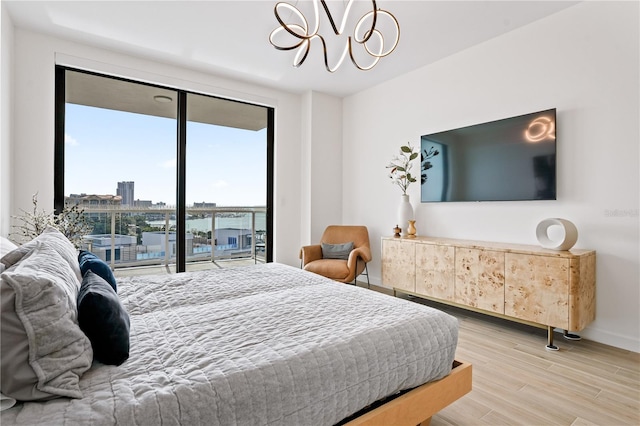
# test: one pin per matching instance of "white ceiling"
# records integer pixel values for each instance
(230, 38)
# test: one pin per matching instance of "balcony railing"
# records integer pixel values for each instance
(126, 236)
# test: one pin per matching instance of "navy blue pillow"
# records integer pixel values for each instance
(103, 319)
(89, 261)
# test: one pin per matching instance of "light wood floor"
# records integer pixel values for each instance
(516, 381)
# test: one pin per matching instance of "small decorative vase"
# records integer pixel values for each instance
(411, 231)
(396, 231)
(405, 213)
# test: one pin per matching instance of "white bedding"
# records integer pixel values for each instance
(265, 344)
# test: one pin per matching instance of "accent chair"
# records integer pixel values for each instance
(341, 255)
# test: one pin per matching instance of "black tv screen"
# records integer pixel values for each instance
(511, 159)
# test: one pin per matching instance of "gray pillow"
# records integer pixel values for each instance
(55, 240)
(6, 246)
(56, 353)
(336, 251)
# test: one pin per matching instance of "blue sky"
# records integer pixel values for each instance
(103, 147)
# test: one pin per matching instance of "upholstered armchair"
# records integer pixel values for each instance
(342, 254)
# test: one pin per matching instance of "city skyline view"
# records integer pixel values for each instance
(226, 166)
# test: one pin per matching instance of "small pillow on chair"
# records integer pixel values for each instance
(103, 319)
(336, 251)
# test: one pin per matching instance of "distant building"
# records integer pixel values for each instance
(100, 245)
(93, 200)
(154, 242)
(125, 190)
(204, 205)
(143, 203)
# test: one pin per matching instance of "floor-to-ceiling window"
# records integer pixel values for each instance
(164, 176)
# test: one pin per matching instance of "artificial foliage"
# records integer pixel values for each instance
(71, 222)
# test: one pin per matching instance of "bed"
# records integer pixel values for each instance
(265, 344)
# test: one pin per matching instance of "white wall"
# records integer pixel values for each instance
(323, 166)
(6, 61)
(33, 144)
(582, 61)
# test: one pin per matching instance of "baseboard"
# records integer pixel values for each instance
(611, 339)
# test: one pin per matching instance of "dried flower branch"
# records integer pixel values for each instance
(71, 222)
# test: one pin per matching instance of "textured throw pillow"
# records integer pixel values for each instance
(44, 352)
(6, 246)
(55, 240)
(89, 261)
(103, 319)
(336, 251)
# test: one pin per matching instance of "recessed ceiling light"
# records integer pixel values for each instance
(162, 99)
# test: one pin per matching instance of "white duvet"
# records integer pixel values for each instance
(266, 344)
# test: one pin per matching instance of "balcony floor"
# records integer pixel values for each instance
(171, 269)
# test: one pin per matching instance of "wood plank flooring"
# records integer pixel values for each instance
(516, 381)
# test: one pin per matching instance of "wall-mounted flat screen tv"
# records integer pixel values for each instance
(512, 159)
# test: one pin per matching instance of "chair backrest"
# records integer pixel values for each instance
(338, 234)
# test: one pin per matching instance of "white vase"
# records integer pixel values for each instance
(405, 213)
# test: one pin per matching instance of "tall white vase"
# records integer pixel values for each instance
(405, 213)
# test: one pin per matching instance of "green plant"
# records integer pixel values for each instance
(71, 222)
(400, 166)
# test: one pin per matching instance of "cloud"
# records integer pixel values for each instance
(220, 184)
(169, 164)
(68, 140)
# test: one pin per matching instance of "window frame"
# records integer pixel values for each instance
(181, 120)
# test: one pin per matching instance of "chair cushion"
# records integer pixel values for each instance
(336, 269)
(336, 251)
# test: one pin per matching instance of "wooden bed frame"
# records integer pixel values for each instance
(418, 405)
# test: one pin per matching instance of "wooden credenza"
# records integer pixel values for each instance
(525, 283)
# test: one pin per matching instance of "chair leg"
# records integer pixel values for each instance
(365, 272)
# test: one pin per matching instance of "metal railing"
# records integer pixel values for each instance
(127, 236)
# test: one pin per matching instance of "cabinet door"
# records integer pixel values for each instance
(537, 289)
(435, 271)
(480, 279)
(398, 264)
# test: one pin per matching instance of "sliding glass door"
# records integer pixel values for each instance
(165, 177)
(226, 179)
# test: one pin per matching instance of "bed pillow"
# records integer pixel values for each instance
(89, 261)
(54, 352)
(55, 240)
(103, 319)
(6, 246)
(336, 251)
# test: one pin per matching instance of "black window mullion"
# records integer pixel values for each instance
(58, 156)
(181, 199)
(270, 182)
